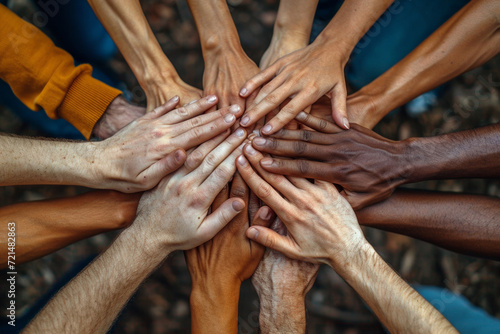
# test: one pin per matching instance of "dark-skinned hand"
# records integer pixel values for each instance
(367, 166)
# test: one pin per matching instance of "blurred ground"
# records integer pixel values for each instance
(161, 305)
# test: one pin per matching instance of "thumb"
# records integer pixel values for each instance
(164, 108)
(263, 217)
(339, 108)
(269, 238)
(216, 221)
(165, 166)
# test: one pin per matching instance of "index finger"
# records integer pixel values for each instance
(300, 102)
(260, 187)
(190, 110)
(258, 80)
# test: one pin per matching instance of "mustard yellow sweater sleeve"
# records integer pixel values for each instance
(44, 76)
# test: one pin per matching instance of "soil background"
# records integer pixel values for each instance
(161, 305)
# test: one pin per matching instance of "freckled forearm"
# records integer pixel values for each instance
(106, 284)
(39, 161)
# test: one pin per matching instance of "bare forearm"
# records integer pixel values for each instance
(127, 25)
(471, 153)
(400, 308)
(92, 300)
(294, 19)
(463, 223)
(351, 22)
(215, 26)
(214, 307)
(282, 313)
(45, 226)
(470, 38)
(39, 161)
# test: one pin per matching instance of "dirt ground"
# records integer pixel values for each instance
(161, 305)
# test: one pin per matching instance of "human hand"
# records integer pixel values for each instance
(304, 76)
(225, 72)
(174, 215)
(322, 227)
(367, 166)
(282, 284)
(158, 92)
(139, 156)
(118, 114)
(220, 265)
(281, 45)
(230, 257)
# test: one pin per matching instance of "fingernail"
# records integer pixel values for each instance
(239, 133)
(245, 120)
(267, 129)
(238, 206)
(264, 213)
(212, 98)
(345, 122)
(266, 162)
(243, 91)
(259, 141)
(250, 150)
(235, 108)
(252, 233)
(175, 98)
(229, 118)
(242, 161)
(301, 116)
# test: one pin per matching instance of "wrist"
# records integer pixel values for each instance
(138, 236)
(420, 165)
(284, 313)
(352, 261)
(335, 44)
(216, 45)
(157, 71)
(290, 33)
(364, 107)
(214, 306)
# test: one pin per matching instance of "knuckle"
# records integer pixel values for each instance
(306, 135)
(182, 111)
(211, 160)
(155, 134)
(273, 99)
(194, 159)
(272, 143)
(299, 147)
(197, 199)
(281, 133)
(239, 191)
(194, 122)
(222, 172)
(323, 124)
(264, 191)
(288, 110)
(197, 132)
(303, 166)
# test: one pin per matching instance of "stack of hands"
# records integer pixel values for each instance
(231, 199)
